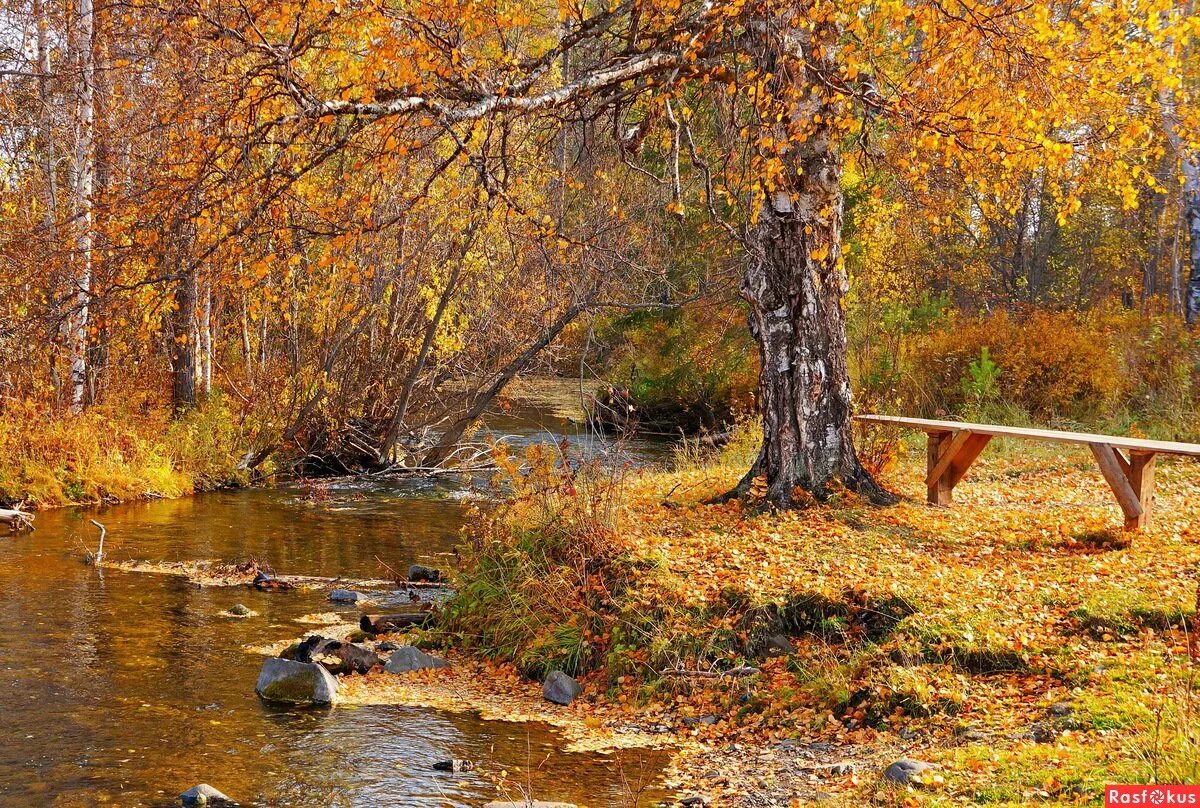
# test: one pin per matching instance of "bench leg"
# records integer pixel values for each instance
(1141, 477)
(1131, 480)
(940, 491)
(950, 455)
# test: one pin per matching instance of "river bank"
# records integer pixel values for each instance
(1016, 645)
(125, 453)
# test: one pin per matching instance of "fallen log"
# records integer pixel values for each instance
(16, 520)
(383, 623)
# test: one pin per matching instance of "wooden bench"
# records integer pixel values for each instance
(953, 447)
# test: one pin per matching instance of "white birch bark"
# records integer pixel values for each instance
(206, 346)
(84, 178)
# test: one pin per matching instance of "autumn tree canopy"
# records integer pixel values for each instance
(336, 207)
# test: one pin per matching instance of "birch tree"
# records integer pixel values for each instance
(788, 86)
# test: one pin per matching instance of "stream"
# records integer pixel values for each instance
(125, 689)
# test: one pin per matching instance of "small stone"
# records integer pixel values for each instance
(455, 766)
(560, 688)
(295, 682)
(388, 645)
(204, 794)
(843, 768)
(408, 658)
(419, 573)
(240, 610)
(347, 596)
(694, 801)
(905, 770)
(1061, 708)
(704, 720)
(972, 735)
(1042, 733)
(778, 645)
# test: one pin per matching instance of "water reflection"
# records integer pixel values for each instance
(126, 689)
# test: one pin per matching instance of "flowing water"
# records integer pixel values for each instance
(125, 689)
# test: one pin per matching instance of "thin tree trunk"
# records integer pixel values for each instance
(46, 122)
(247, 350)
(450, 438)
(401, 409)
(1176, 285)
(794, 286)
(183, 345)
(1189, 164)
(83, 175)
(206, 342)
(1191, 202)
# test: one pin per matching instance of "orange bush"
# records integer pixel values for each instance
(1051, 363)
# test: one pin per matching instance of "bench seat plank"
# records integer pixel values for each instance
(954, 445)
(1053, 436)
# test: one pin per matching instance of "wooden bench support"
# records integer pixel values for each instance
(950, 456)
(1131, 480)
(954, 445)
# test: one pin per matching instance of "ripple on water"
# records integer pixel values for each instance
(127, 689)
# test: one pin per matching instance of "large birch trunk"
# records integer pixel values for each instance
(794, 286)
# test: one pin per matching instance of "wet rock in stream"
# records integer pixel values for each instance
(419, 573)
(204, 794)
(348, 596)
(265, 583)
(336, 656)
(286, 681)
(457, 766)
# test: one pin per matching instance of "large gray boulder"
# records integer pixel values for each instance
(204, 794)
(560, 688)
(291, 682)
(408, 658)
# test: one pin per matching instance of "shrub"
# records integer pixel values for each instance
(111, 452)
(544, 568)
(691, 368)
(1048, 363)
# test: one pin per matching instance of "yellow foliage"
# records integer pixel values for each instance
(1050, 363)
(110, 453)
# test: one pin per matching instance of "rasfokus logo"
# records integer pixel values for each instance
(1152, 795)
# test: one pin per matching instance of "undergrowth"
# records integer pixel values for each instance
(1035, 628)
(112, 453)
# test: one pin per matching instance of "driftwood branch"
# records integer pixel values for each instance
(383, 623)
(732, 673)
(16, 519)
(99, 555)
